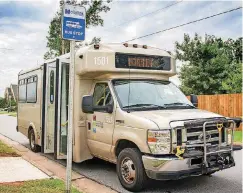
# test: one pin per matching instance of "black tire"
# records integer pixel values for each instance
(141, 178)
(34, 147)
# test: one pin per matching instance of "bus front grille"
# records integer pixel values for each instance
(195, 135)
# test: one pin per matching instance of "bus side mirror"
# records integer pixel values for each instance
(87, 104)
(194, 100)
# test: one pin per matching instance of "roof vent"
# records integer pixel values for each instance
(135, 45)
(145, 46)
(126, 44)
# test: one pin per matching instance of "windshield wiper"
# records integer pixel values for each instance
(144, 106)
(179, 104)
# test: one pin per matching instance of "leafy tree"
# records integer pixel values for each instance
(210, 66)
(13, 103)
(56, 45)
(3, 103)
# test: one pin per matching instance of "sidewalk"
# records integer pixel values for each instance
(52, 169)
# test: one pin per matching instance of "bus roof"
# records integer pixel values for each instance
(96, 60)
(120, 58)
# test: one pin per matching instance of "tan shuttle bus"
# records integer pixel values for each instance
(126, 111)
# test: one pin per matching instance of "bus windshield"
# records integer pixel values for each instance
(142, 94)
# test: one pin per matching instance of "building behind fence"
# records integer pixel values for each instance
(228, 105)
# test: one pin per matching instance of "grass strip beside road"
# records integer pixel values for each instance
(13, 114)
(6, 151)
(238, 136)
(36, 186)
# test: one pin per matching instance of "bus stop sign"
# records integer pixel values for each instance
(73, 23)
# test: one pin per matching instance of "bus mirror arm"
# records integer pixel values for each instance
(108, 108)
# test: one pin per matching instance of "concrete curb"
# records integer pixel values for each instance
(56, 170)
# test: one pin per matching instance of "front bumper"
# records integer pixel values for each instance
(202, 157)
(173, 168)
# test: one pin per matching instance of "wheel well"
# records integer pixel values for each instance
(122, 144)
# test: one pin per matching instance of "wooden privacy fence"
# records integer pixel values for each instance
(228, 105)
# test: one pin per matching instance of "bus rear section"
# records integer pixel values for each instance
(29, 105)
(43, 106)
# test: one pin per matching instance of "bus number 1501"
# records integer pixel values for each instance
(101, 61)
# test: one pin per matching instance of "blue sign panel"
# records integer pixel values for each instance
(73, 23)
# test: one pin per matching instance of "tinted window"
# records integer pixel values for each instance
(22, 91)
(32, 89)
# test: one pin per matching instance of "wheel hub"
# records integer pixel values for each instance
(128, 170)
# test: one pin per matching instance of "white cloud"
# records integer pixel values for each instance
(28, 37)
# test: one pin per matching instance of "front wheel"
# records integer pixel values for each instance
(130, 170)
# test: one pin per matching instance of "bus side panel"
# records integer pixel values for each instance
(80, 148)
(29, 112)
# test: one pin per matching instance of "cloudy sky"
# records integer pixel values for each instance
(24, 26)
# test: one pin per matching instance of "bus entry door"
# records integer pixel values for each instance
(61, 127)
(50, 108)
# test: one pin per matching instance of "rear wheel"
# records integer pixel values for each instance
(33, 146)
(130, 170)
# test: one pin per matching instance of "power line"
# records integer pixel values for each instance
(16, 49)
(183, 24)
(150, 13)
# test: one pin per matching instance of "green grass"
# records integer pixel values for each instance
(238, 136)
(36, 186)
(13, 114)
(6, 151)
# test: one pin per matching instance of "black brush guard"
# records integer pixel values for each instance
(214, 157)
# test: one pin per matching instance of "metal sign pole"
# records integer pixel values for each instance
(73, 29)
(70, 119)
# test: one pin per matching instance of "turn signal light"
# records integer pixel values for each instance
(152, 139)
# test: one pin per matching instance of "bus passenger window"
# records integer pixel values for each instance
(52, 76)
(22, 91)
(31, 93)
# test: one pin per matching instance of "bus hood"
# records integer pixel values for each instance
(163, 117)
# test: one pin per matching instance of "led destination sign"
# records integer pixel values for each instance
(139, 61)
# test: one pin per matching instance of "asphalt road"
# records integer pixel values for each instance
(227, 181)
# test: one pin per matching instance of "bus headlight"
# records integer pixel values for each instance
(159, 141)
